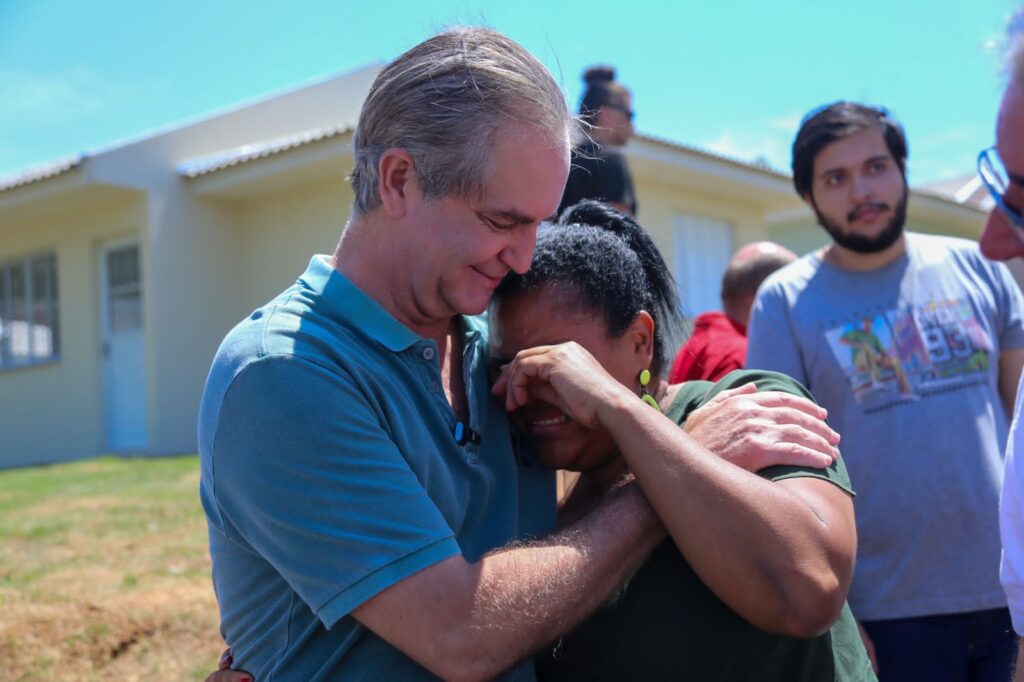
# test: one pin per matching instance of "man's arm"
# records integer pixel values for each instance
(471, 621)
(464, 621)
(1011, 362)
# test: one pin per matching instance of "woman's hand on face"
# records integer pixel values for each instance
(756, 430)
(566, 376)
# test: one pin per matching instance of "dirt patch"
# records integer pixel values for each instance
(170, 633)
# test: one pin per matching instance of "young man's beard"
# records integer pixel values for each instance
(861, 244)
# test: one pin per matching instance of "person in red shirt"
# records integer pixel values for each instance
(718, 344)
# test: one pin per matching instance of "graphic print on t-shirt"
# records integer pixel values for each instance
(910, 353)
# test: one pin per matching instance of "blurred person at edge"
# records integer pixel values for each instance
(598, 169)
(1002, 170)
(718, 344)
(914, 343)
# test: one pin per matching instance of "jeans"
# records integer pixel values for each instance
(977, 646)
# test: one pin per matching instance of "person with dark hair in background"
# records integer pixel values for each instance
(914, 344)
(718, 344)
(750, 586)
(599, 170)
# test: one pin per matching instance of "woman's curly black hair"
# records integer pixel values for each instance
(611, 264)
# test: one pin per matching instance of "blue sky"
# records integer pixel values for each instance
(730, 76)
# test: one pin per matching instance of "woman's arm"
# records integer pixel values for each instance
(778, 553)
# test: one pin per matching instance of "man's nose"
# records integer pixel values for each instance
(518, 254)
(999, 240)
(861, 187)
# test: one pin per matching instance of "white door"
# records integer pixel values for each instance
(124, 347)
(703, 247)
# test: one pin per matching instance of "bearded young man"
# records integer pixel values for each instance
(914, 344)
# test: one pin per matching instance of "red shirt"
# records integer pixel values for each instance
(717, 346)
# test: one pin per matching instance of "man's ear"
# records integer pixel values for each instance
(640, 336)
(397, 179)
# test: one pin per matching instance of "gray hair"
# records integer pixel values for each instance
(443, 101)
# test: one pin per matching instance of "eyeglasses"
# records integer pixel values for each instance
(624, 109)
(997, 181)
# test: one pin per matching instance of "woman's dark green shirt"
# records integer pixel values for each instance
(665, 624)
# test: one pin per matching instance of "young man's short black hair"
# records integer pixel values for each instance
(825, 125)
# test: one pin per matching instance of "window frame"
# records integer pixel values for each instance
(8, 361)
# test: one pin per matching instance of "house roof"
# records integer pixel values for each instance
(211, 163)
(964, 189)
(41, 172)
(227, 158)
(716, 156)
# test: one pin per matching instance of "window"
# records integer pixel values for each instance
(28, 311)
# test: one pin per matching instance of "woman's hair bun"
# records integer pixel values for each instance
(599, 74)
(597, 214)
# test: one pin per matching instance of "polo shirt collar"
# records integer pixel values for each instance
(356, 306)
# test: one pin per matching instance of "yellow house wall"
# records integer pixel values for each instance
(193, 280)
(278, 233)
(660, 203)
(55, 411)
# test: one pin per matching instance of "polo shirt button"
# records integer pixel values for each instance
(428, 353)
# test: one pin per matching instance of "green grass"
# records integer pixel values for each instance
(104, 572)
(136, 477)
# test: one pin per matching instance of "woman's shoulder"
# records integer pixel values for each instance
(690, 395)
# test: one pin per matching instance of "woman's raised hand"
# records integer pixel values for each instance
(565, 375)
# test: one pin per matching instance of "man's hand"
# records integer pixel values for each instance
(756, 430)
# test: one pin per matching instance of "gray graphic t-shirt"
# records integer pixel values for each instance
(906, 360)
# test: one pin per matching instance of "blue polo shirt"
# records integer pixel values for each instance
(330, 472)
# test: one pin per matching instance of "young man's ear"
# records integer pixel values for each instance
(641, 337)
(397, 181)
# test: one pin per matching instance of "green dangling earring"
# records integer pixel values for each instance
(645, 378)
